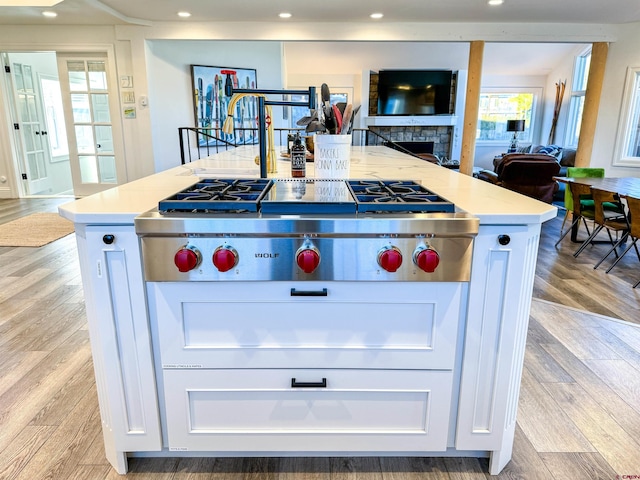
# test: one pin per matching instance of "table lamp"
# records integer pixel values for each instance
(514, 126)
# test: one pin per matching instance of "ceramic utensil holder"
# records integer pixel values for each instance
(332, 155)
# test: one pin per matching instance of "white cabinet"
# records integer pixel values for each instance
(262, 325)
(120, 339)
(251, 368)
(357, 411)
(500, 291)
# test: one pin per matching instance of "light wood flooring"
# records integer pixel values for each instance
(579, 413)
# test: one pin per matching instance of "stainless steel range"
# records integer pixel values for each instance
(306, 229)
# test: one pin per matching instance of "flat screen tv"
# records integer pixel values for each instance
(414, 92)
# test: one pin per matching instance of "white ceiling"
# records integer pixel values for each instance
(107, 12)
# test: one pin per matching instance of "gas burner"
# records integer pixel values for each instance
(384, 196)
(217, 195)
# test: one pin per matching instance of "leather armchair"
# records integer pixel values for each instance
(529, 174)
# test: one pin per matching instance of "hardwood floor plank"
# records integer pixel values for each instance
(197, 469)
(355, 468)
(538, 411)
(15, 365)
(19, 453)
(150, 469)
(578, 465)
(89, 472)
(630, 334)
(615, 445)
(525, 463)
(625, 414)
(543, 366)
(302, 468)
(572, 332)
(461, 468)
(621, 377)
(406, 468)
(627, 351)
(63, 402)
(59, 455)
(34, 390)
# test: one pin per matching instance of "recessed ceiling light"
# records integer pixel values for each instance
(285, 15)
(47, 13)
(495, 2)
(184, 14)
(376, 16)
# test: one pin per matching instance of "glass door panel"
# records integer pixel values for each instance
(84, 139)
(31, 129)
(104, 139)
(91, 111)
(107, 166)
(88, 169)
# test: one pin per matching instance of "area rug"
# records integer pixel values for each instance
(34, 230)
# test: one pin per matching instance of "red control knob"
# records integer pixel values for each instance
(225, 258)
(187, 258)
(390, 258)
(426, 259)
(308, 259)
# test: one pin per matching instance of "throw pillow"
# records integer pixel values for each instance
(553, 150)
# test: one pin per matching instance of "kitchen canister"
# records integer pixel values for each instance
(331, 155)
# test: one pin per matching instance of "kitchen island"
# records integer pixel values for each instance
(456, 394)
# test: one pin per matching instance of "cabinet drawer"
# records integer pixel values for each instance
(390, 325)
(259, 410)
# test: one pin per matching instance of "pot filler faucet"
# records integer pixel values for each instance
(229, 90)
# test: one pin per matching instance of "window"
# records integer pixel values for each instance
(627, 150)
(576, 102)
(502, 104)
(52, 100)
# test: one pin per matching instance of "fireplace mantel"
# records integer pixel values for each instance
(411, 120)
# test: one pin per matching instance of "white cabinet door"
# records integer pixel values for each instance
(120, 338)
(502, 277)
(411, 325)
(307, 411)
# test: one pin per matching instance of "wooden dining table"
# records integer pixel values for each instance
(623, 186)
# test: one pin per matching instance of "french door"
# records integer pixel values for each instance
(30, 130)
(93, 123)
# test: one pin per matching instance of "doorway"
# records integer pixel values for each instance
(37, 119)
(64, 122)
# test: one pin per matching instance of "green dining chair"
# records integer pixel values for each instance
(586, 203)
(581, 172)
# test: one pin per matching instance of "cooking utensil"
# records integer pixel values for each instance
(353, 116)
(346, 119)
(315, 126)
(308, 119)
(325, 95)
(338, 119)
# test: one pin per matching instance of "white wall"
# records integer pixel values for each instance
(169, 84)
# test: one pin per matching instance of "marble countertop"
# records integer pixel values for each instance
(491, 204)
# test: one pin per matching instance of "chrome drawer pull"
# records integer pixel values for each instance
(322, 384)
(309, 293)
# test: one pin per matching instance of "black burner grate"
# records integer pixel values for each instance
(218, 195)
(396, 196)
